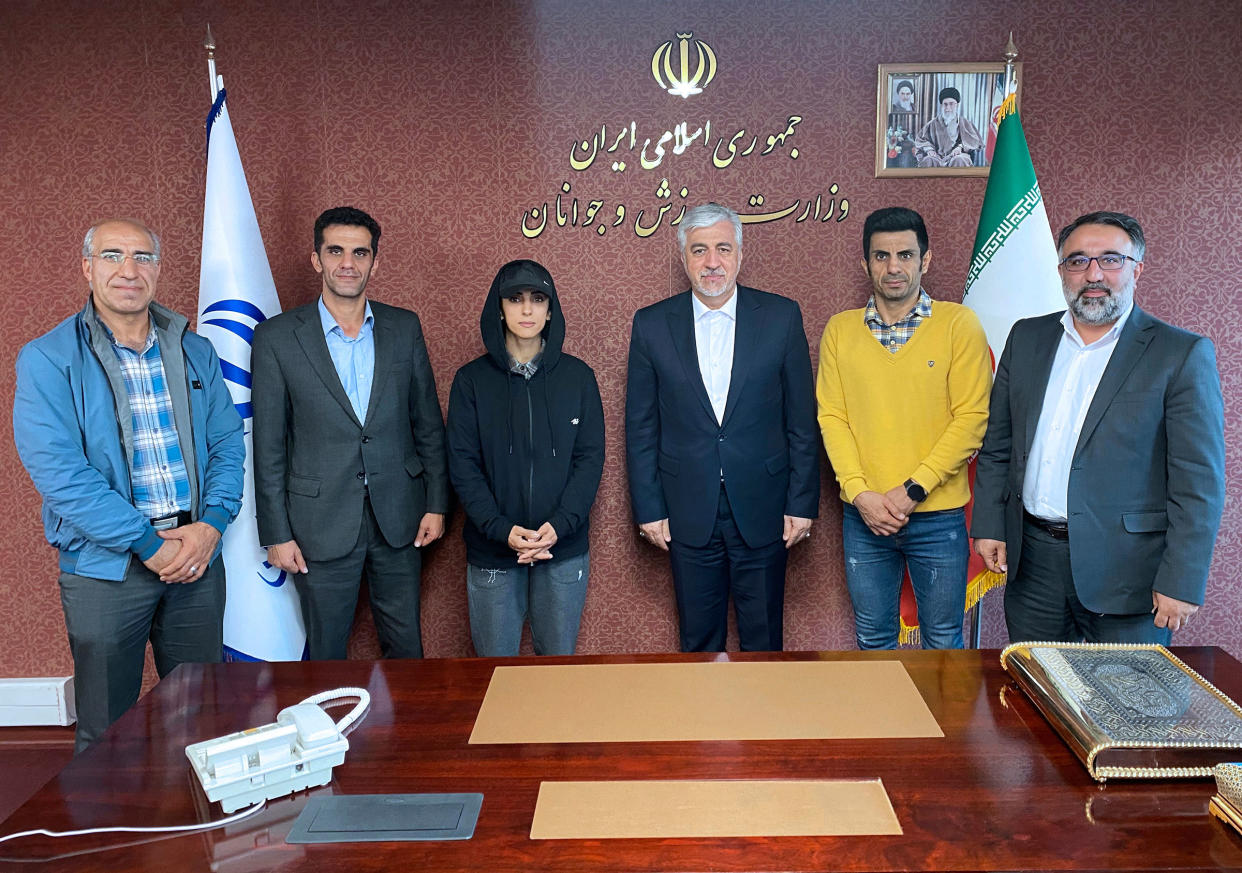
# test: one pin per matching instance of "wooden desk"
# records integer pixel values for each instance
(999, 792)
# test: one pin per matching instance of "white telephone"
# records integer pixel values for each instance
(297, 751)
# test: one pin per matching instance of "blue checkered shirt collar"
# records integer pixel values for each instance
(894, 336)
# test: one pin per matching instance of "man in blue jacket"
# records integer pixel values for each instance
(124, 423)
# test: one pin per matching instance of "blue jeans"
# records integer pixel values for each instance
(935, 548)
(552, 592)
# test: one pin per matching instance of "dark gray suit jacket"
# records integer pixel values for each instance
(311, 454)
(1147, 483)
(768, 444)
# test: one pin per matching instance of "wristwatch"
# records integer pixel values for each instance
(915, 491)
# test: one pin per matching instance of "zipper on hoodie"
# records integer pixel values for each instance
(530, 477)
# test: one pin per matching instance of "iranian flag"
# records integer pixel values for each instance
(1013, 272)
(1013, 275)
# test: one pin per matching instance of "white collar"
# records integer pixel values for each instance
(701, 309)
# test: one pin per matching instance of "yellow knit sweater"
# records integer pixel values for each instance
(919, 413)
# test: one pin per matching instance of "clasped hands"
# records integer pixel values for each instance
(532, 545)
(885, 514)
(185, 553)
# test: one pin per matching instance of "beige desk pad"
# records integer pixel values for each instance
(775, 700)
(722, 808)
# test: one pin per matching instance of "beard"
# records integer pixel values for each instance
(1099, 310)
(707, 291)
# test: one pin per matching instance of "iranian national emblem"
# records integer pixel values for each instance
(683, 83)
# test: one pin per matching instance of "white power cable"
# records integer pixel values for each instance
(360, 708)
(203, 826)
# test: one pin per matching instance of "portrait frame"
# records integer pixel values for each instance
(906, 143)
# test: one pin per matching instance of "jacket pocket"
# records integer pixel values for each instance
(777, 464)
(414, 467)
(1145, 522)
(306, 486)
(669, 465)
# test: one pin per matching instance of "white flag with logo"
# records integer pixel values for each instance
(262, 617)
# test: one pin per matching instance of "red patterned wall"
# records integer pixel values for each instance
(448, 120)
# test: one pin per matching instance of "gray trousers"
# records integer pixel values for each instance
(1042, 604)
(109, 624)
(328, 592)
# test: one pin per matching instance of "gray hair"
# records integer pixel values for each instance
(705, 215)
(88, 242)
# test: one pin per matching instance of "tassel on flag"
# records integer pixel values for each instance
(1013, 275)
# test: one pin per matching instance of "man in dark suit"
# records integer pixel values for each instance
(721, 441)
(1100, 484)
(349, 465)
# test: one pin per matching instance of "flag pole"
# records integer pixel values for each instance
(976, 611)
(1011, 52)
(209, 43)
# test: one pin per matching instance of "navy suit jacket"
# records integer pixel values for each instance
(767, 446)
(1147, 482)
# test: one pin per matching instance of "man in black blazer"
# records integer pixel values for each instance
(721, 439)
(349, 464)
(1100, 484)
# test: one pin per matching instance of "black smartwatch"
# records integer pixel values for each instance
(915, 491)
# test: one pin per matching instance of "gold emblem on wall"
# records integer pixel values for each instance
(683, 83)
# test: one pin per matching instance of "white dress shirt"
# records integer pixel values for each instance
(714, 330)
(1075, 376)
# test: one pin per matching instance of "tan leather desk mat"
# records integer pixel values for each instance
(774, 700)
(720, 808)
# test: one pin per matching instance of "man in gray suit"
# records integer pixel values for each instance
(349, 465)
(1100, 484)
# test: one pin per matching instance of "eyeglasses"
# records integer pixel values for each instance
(142, 259)
(1109, 263)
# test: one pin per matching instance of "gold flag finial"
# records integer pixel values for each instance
(1011, 50)
(209, 43)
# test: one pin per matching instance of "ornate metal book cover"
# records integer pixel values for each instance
(1227, 804)
(1128, 711)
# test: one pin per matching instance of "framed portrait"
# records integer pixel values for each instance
(938, 119)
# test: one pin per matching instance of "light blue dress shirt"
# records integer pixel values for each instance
(353, 358)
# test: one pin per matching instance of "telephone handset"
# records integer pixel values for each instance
(296, 751)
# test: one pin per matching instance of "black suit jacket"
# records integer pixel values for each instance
(1146, 487)
(312, 455)
(767, 445)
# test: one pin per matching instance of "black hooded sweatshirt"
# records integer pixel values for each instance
(524, 451)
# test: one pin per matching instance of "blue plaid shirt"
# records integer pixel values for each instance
(894, 336)
(161, 485)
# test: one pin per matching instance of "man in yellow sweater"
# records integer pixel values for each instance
(903, 403)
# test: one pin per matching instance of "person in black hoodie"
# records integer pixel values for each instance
(526, 451)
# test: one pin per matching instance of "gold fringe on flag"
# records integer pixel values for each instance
(975, 589)
(1008, 107)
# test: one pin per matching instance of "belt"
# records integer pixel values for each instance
(171, 521)
(1058, 530)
